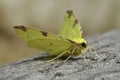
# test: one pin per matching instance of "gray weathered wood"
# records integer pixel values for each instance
(105, 68)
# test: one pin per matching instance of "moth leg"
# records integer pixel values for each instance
(58, 56)
(74, 50)
(67, 58)
(70, 53)
(85, 60)
(94, 50)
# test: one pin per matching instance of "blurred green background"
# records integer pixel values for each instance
(95, 16)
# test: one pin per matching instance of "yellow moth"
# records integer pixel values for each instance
(69, 42)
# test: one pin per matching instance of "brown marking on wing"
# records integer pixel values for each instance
(69, 12)
(78, 44)
(61, 38)
(75, 22)
(71, 41)
(81, 33)
(80, 30)
(51, 43)
(23, 28)
(44, 33)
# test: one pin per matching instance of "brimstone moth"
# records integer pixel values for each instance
(69, 42)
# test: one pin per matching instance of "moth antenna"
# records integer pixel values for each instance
(94, 51)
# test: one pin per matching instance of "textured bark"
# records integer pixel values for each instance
(107, 67)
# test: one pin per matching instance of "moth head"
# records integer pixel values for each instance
(80, 41)
(83, 43)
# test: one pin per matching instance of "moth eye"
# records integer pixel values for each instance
(84, 45)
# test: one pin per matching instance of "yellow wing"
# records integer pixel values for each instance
(71, 28)
(49, 42)
(52, 46)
